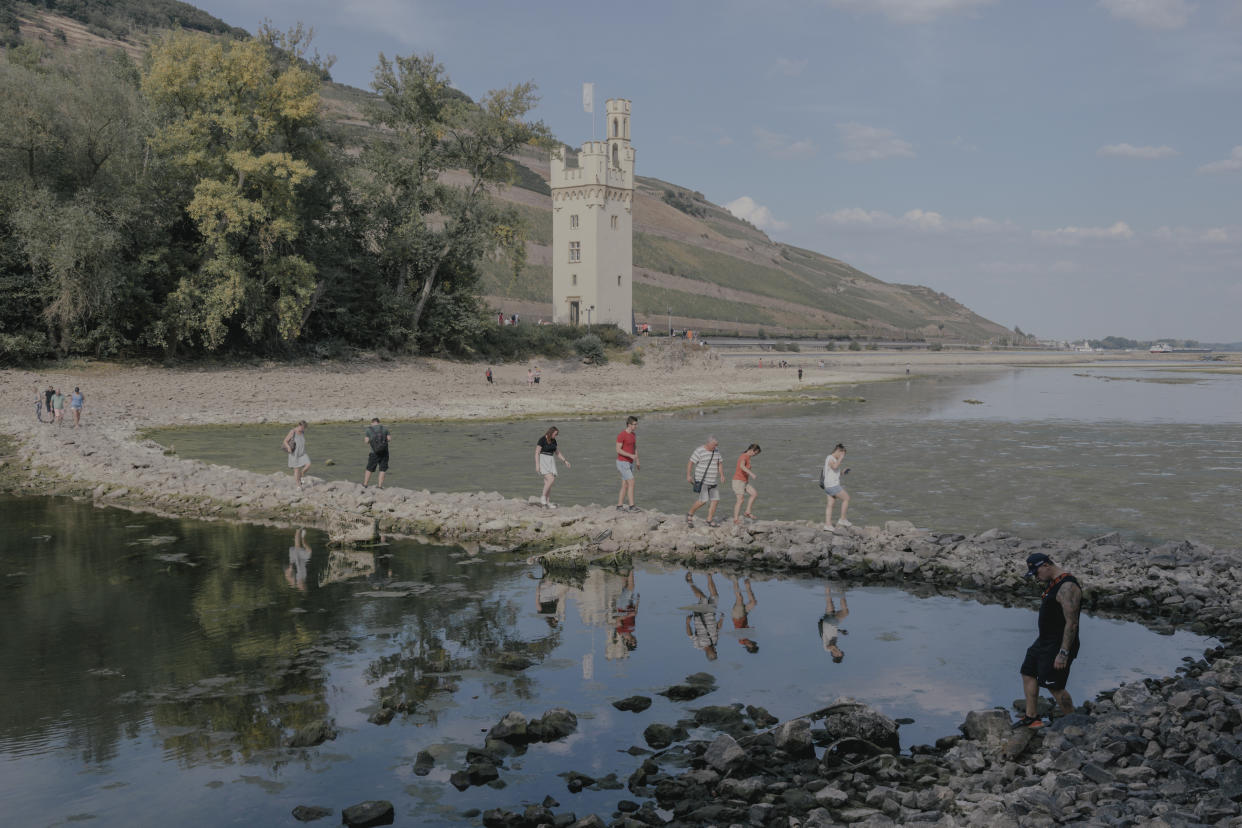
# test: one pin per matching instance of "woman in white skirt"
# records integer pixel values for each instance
(295, 445)
(546, 453)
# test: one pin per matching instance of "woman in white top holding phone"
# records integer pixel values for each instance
(833, 487)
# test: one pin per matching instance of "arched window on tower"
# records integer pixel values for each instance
(616, 128)
(615, 156)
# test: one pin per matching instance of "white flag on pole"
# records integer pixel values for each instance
(588, 98)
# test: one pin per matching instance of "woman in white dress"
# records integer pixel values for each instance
(295, 445)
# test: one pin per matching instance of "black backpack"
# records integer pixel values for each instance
(378, 437)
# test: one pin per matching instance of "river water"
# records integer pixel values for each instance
(152, 669)
(1043, 452)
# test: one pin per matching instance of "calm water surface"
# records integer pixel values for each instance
(151, 669)
(1045, 452)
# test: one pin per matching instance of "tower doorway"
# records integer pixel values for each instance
(573, 313)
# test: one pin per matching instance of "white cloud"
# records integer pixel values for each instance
(868, 143)
(1130, 151)
(916, 219)
(789, 68)
(1151, 14)
(962, 144)
(779, 145)
(747, 209)
(1118, 230)
(1231, 164)
(1197, 235)
(910, 11)
(724, 141)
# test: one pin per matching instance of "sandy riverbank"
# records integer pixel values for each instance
(131, 396)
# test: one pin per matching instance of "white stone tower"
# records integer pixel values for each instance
(593, 228)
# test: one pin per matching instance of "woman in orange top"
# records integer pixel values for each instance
(742, 476)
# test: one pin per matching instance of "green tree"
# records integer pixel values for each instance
(425, 183)
(242, 127)
(72, 199)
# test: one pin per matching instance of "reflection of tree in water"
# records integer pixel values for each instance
(100, 617)
(204, 637)
(471, 627)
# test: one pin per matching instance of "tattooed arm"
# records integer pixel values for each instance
(1070, 599)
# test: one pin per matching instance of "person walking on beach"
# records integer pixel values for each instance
(546, 454)
(704, 475)
(295, 446)
(530, 378)
(703, 623)
(799, 375)
(377, 438)
(830, 625)
(488, 374)
(627, 463)
(831, 477)
(58, 407)
(1048, 660)
(742, 475)
(75, 404)
(48, 393)
(538, 375)
(38, 404)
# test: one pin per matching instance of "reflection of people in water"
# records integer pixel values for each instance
(299, 557)
(621, 638)
(550, 601)
(741, 612)
(829, 624)
(703, 625)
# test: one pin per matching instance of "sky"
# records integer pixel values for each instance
(1070, 167)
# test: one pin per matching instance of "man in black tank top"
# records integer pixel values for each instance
(1048, 660)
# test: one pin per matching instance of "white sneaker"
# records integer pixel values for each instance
(828, 526)
(550, 505)
(844, 522)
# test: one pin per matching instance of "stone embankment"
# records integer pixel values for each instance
(1178, 583)
(1163, 752)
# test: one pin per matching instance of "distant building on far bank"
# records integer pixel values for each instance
(593, 227)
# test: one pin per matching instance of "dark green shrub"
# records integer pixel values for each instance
(854, 346)
(591, 349)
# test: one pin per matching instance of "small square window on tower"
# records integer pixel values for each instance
(575, 251)
(573, 220)
(618, 280)
(614, 222)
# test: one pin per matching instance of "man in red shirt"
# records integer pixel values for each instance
(627, 463)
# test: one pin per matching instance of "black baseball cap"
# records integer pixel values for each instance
(1034, 561)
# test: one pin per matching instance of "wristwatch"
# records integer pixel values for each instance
(1063, 652)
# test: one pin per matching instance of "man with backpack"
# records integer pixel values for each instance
(377, 438)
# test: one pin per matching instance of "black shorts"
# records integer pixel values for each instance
(1038, 665)
(378, 460)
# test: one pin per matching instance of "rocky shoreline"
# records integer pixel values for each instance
(1157, 752)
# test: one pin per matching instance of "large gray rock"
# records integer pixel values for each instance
(986, 725)
(557, 723)
(795, 738)
(313, 734)
(724, 753)
(371, 812)
(633, 704)
(857, 721)
(346, 529)
(511, 728)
